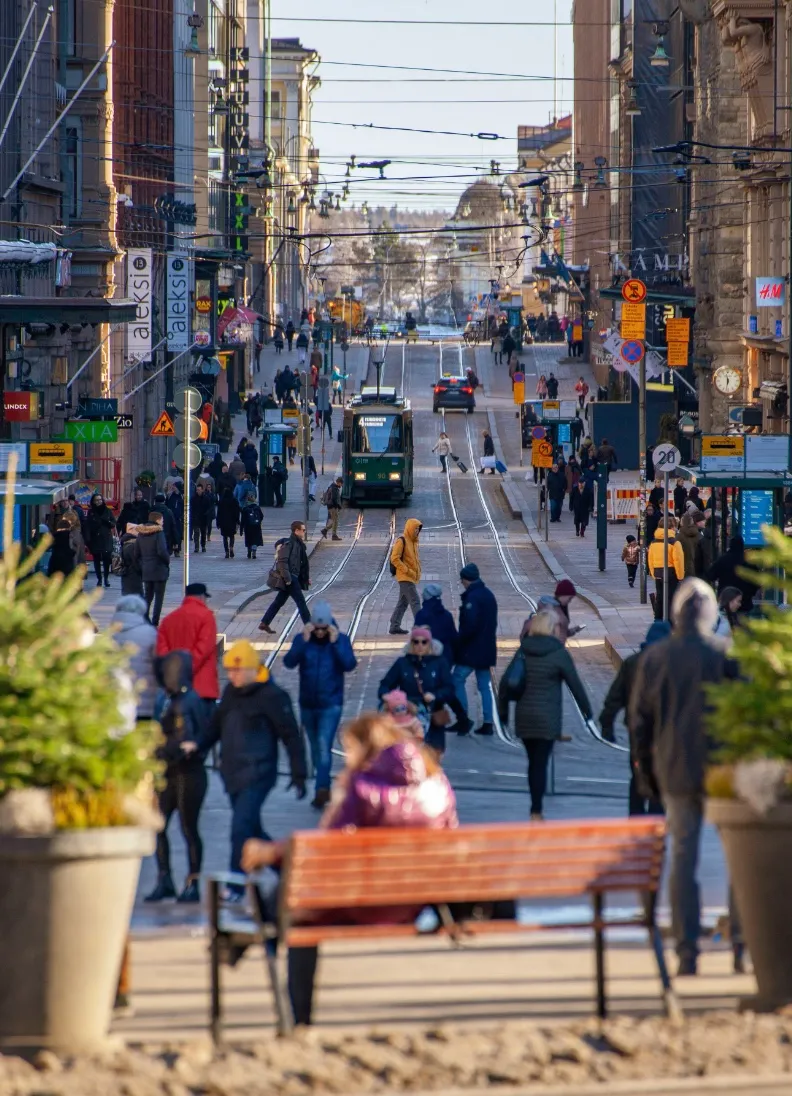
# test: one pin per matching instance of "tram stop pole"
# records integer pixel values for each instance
(602, 514)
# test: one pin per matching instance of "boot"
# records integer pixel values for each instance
(485, 729)
(191, 892)
(321, 799)
(336, 536)
(324, 533)
(164, 889)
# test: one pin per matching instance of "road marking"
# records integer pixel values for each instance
(593, 780)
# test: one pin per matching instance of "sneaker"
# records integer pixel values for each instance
(485, 729)
(164, 889)
(687, 967)
(398, 632)
(266, 628)
(191, 892)
(336, 536)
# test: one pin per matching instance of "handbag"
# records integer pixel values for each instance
(513, 681)
(439, 718)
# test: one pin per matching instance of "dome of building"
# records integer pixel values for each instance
(481, 203)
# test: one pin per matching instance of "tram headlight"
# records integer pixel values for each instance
(360, 475)
(395, 476)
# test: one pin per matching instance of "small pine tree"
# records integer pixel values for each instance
(752, 717)
(61, 691)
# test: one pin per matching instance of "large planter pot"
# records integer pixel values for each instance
(759, 854)
(65, 905)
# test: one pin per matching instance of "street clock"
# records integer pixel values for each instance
(728, 380)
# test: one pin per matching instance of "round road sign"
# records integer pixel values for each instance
(632, 351)
(634, 291)
(538, 433)
(666, 458)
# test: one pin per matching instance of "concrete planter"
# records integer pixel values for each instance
(759, 852)
(65, 905)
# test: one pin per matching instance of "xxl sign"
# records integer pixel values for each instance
(178, 303)
(140, 279)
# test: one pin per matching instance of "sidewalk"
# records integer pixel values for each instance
(233, 583)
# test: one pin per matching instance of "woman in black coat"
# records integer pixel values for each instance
(62, 554)
(725, 572)
(424, 675)
(228, 521)
(99, 528)
(581, 502)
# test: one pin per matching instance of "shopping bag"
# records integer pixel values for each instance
(487, 462)
(501, 467)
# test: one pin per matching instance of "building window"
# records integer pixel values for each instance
(275, 108)
(72, 198)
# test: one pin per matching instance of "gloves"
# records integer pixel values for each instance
(299, 787)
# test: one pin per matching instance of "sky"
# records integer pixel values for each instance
(430, 170)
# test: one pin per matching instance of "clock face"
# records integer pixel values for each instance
(728, 380)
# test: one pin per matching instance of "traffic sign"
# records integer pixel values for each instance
(538, 433)
(50, 456)
(542, 454)
(633, 321)
(163, 427)
(194, 399)
(677, 355)
(666, 458)
(634, 290)
(632, 351)
(192, 453)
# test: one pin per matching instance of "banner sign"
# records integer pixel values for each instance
(722, 452)
(178, 301)
(140, 278)
(51, 456)
(770, 292)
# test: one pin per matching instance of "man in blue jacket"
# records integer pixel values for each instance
(434, 615)
(323, 655)
(476, 650)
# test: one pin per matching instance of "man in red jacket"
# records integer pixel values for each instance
(192, 627)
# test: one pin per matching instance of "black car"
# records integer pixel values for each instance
(454, 393)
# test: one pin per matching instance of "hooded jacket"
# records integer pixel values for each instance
(192, 627)
(478, 628)
(131, 573)
(152, 553)
(183, 717)
(416, 676)
(322, 666)
(404, 556)
(690, 539)
(654, 557)
(539, 711)
(724, 572)
(249, 722)
(228, 515)
(99, 528)
(440, 621)
(135, 630)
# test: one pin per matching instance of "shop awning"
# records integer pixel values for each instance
(236, 315)
(36, 492)
(71, 310)
(745, 481)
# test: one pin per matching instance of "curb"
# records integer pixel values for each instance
(777, 1085)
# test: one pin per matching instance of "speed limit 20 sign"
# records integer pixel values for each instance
(666, 458)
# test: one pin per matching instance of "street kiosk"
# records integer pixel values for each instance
(273, 444)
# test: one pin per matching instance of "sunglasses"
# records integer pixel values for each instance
(420, 643)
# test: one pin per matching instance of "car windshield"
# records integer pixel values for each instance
(377, 434)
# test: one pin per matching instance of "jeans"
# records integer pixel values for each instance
(408, 596)
(685, 815)
(246, 818)
(320, 725)
(101, 562)
(155, 592)
(539, 751)
(292, 591)
(556, 506)
(184, 792)
(484, 685)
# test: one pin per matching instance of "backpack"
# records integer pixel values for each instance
(392, 565)
(324, 498)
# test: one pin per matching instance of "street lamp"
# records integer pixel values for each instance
(194, 21)
(633, 107)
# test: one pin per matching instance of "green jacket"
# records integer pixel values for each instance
(539, 711)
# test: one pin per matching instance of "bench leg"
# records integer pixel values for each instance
(277, 975)
(215, 1016)
(671, 1004)
(599, 954)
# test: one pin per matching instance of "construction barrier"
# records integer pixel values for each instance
(623, 504)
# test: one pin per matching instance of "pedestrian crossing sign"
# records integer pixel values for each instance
(163, 427)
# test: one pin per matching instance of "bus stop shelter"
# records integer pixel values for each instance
(749, 499)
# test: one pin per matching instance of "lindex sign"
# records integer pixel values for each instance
(88, 431)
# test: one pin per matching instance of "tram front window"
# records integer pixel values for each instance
(377, 434)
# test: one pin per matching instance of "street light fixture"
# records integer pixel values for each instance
(660, 58)
(194, 21)
(601, 183)
(633, 107)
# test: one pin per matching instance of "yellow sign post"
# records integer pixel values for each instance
(633, 320)
(542, 454)
(678, 339)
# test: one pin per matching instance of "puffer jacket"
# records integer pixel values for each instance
(478, 628)
(151, 552)
(654, 557)
(183, 717)
(439, 620)
(405, 557)
(418, 676)
(539, 711)
(322, 666)
(192, 627)
(690, 538)
(396, 790)
(135, 630)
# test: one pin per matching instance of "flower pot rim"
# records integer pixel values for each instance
(101, 842)
(731, 811)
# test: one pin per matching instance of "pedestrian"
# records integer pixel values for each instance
(423, 675)
(497, 349)
(657, 494)
(225, 479)
(559, 604)
(405, 565)
(243, 489)
(153, 559)
(279, 473)
(508, 345)
(290, 576)
(251, 519)
(581, 501)
(667, 718)
(192, 627)
(576, 431)
(552, 387)
(541, 387)
(237, 468)
(654, 565)
(729, 602)
(651, 521)
(488, 456)
(62, 556)
(254, 715)
(332, 500)
(630, 556)
(443, 449)
(175, 504)
(100, 528)
(134, 512)
(131, 573)
(439, 620)
(228, 521)
(690, 537)
(338, 380)
(134, 634)
(556, 489)
(172, 535)
(277, 340)
(250, 460)
(289, 335)
(211, 507)
(78, 532)
(566, 328)
(476, 646)
(316, 364)
(323, 655)
(727, 570)
(538, 697)
(680, 498)
(618, 699)
(582, 390)
(200, 517)
(404, 714)
(312, 475)
(302, 347)
(572, 472)
(607, 455)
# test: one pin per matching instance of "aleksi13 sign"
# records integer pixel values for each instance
(178, 309)
(139, 284)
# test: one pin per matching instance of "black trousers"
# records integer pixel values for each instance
(200, 533)
(277, 491)
(155, 592)
(292, 591)
(639, 804)
(102, 561)
(539, 751)
(228, 542)
(632, 571)
(184, 793)
(673, 582)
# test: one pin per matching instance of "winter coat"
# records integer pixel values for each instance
(478, 628)
(552, 387)
(250, 520)
(249, 722)
(489, 446)
(434, 615)
(582, 501)
(680, 499)
(201, 507)
(334, 497)
(175, 506)
(724, 572)
(99, 529)
(62, 555)
(405, 557)
(192, 627)
(237, 469)
(296, 560)
(152, 553)
(668, 707)
(572, 473)
(183, 718)
(690, 539)
(606, 454)
(215, 467)
(443, 447)
(228, 515)
(132, 513)
(654, 557)
(250, 460)
(131, 575)
(396, 790)
(136, 631)
(631, 553)
(556, 485)
(225, 479)
(433, 672)
(322, 666)
(539, 711)
(170, 526)
(244, 488)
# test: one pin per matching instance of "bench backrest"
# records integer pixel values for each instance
(383, 867)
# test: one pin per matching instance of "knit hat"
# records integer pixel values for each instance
(397, 706)
(242, 655)
(321, 614)
(421, 633)
(565, 588)
(470, 572)
(432, 589)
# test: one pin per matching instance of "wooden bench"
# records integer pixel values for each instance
(325, 872)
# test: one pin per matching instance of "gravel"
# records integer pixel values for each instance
(439, 1057)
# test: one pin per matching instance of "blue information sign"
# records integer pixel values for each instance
(756, 511)
(564, 433)
(276, 445)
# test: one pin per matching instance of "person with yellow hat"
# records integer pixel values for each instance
(253, 715)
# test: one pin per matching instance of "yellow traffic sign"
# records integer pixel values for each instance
(722, 445)
(633, 321)
(163, 427)
(634, 290)
(677, 356)
(678, 329)
(542, 454)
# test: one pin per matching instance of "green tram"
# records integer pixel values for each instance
(378, 449)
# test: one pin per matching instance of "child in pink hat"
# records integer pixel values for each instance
(402, 712)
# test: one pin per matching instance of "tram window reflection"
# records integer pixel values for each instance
(377, 434)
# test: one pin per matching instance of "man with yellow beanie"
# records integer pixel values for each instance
(253, 715)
